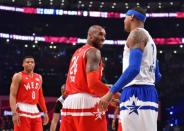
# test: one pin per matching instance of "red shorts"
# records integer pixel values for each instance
(83, 123)
(30, 119)
(119, 126)
(80, 113)
(29, 124)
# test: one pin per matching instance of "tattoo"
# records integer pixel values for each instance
(93, 60)
(137, 39)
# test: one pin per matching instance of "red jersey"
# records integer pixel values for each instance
(29, 87)
(77, 79)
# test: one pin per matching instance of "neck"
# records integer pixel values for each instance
(89, 43)
(30, 73)
(137, 25)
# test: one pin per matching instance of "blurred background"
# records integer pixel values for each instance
(51, 30)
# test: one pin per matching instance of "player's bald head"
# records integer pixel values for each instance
(96, 36)
(94, 28)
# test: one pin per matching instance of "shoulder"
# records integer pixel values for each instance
(138, 34)
(38, 75)
(93, 53)
(137, 39)
(17, 76)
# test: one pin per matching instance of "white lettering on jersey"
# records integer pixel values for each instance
(31, 85)
(73, 68)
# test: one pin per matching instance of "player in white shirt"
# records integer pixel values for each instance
(139, 98)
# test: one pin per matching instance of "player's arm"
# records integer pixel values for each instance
(93, 58)
(157, 72)
(41, 100)
(13, 94)
(41, 103)
(56, 115)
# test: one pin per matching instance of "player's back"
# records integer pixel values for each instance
(76, 78)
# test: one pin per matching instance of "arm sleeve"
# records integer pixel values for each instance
(157, 72)
(95, 84)
(131, 72)
(41, 101)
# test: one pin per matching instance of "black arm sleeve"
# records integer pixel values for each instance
(58, 107)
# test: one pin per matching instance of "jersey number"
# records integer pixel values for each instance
(73, 68)
(33, 95)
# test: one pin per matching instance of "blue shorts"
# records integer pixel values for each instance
(139, 108)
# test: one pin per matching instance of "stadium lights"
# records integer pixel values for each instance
(99, 14)
(70, 40)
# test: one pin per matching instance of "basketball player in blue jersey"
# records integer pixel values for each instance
(139, 99)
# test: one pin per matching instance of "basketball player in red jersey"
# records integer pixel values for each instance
(25, 94)
(84, 86)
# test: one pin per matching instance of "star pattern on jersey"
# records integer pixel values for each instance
(133, 108)
(98, 114)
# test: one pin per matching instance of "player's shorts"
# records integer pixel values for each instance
(30, 118)
(139, 108)
(80, 113)
(119, 126)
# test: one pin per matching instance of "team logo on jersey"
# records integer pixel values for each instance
(132, 105)
(32, 85)
(27, 78)
(98, 114)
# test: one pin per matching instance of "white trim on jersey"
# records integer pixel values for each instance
(28, 108)
(30, 116)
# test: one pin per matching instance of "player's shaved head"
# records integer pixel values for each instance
(94, 28)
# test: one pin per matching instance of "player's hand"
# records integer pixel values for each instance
(104, 101)
(16, 118)
(45, 119)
